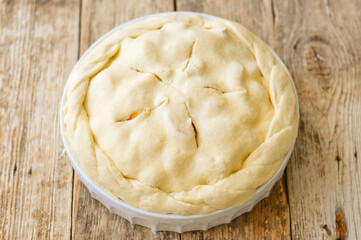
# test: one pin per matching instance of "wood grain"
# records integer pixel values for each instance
(319, 41)
(40, 41)
(38, 47)
(91, 220)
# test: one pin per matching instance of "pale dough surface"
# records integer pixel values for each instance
(180, 114)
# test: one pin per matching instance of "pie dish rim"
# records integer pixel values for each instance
(159, 221)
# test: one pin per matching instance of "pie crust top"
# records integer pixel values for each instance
(180, 114)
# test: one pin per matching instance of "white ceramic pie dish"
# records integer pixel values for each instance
(167, 222)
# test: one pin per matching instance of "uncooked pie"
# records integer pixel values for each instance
(180, 114)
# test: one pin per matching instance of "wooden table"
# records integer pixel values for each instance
(320, 42)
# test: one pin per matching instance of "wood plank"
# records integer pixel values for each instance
(318, 40)
(320, 43)
(38, 47)
(270, 218)
(91, 220)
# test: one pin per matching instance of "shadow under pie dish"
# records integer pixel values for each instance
(179, 121)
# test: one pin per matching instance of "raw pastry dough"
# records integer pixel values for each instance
(180, 114)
